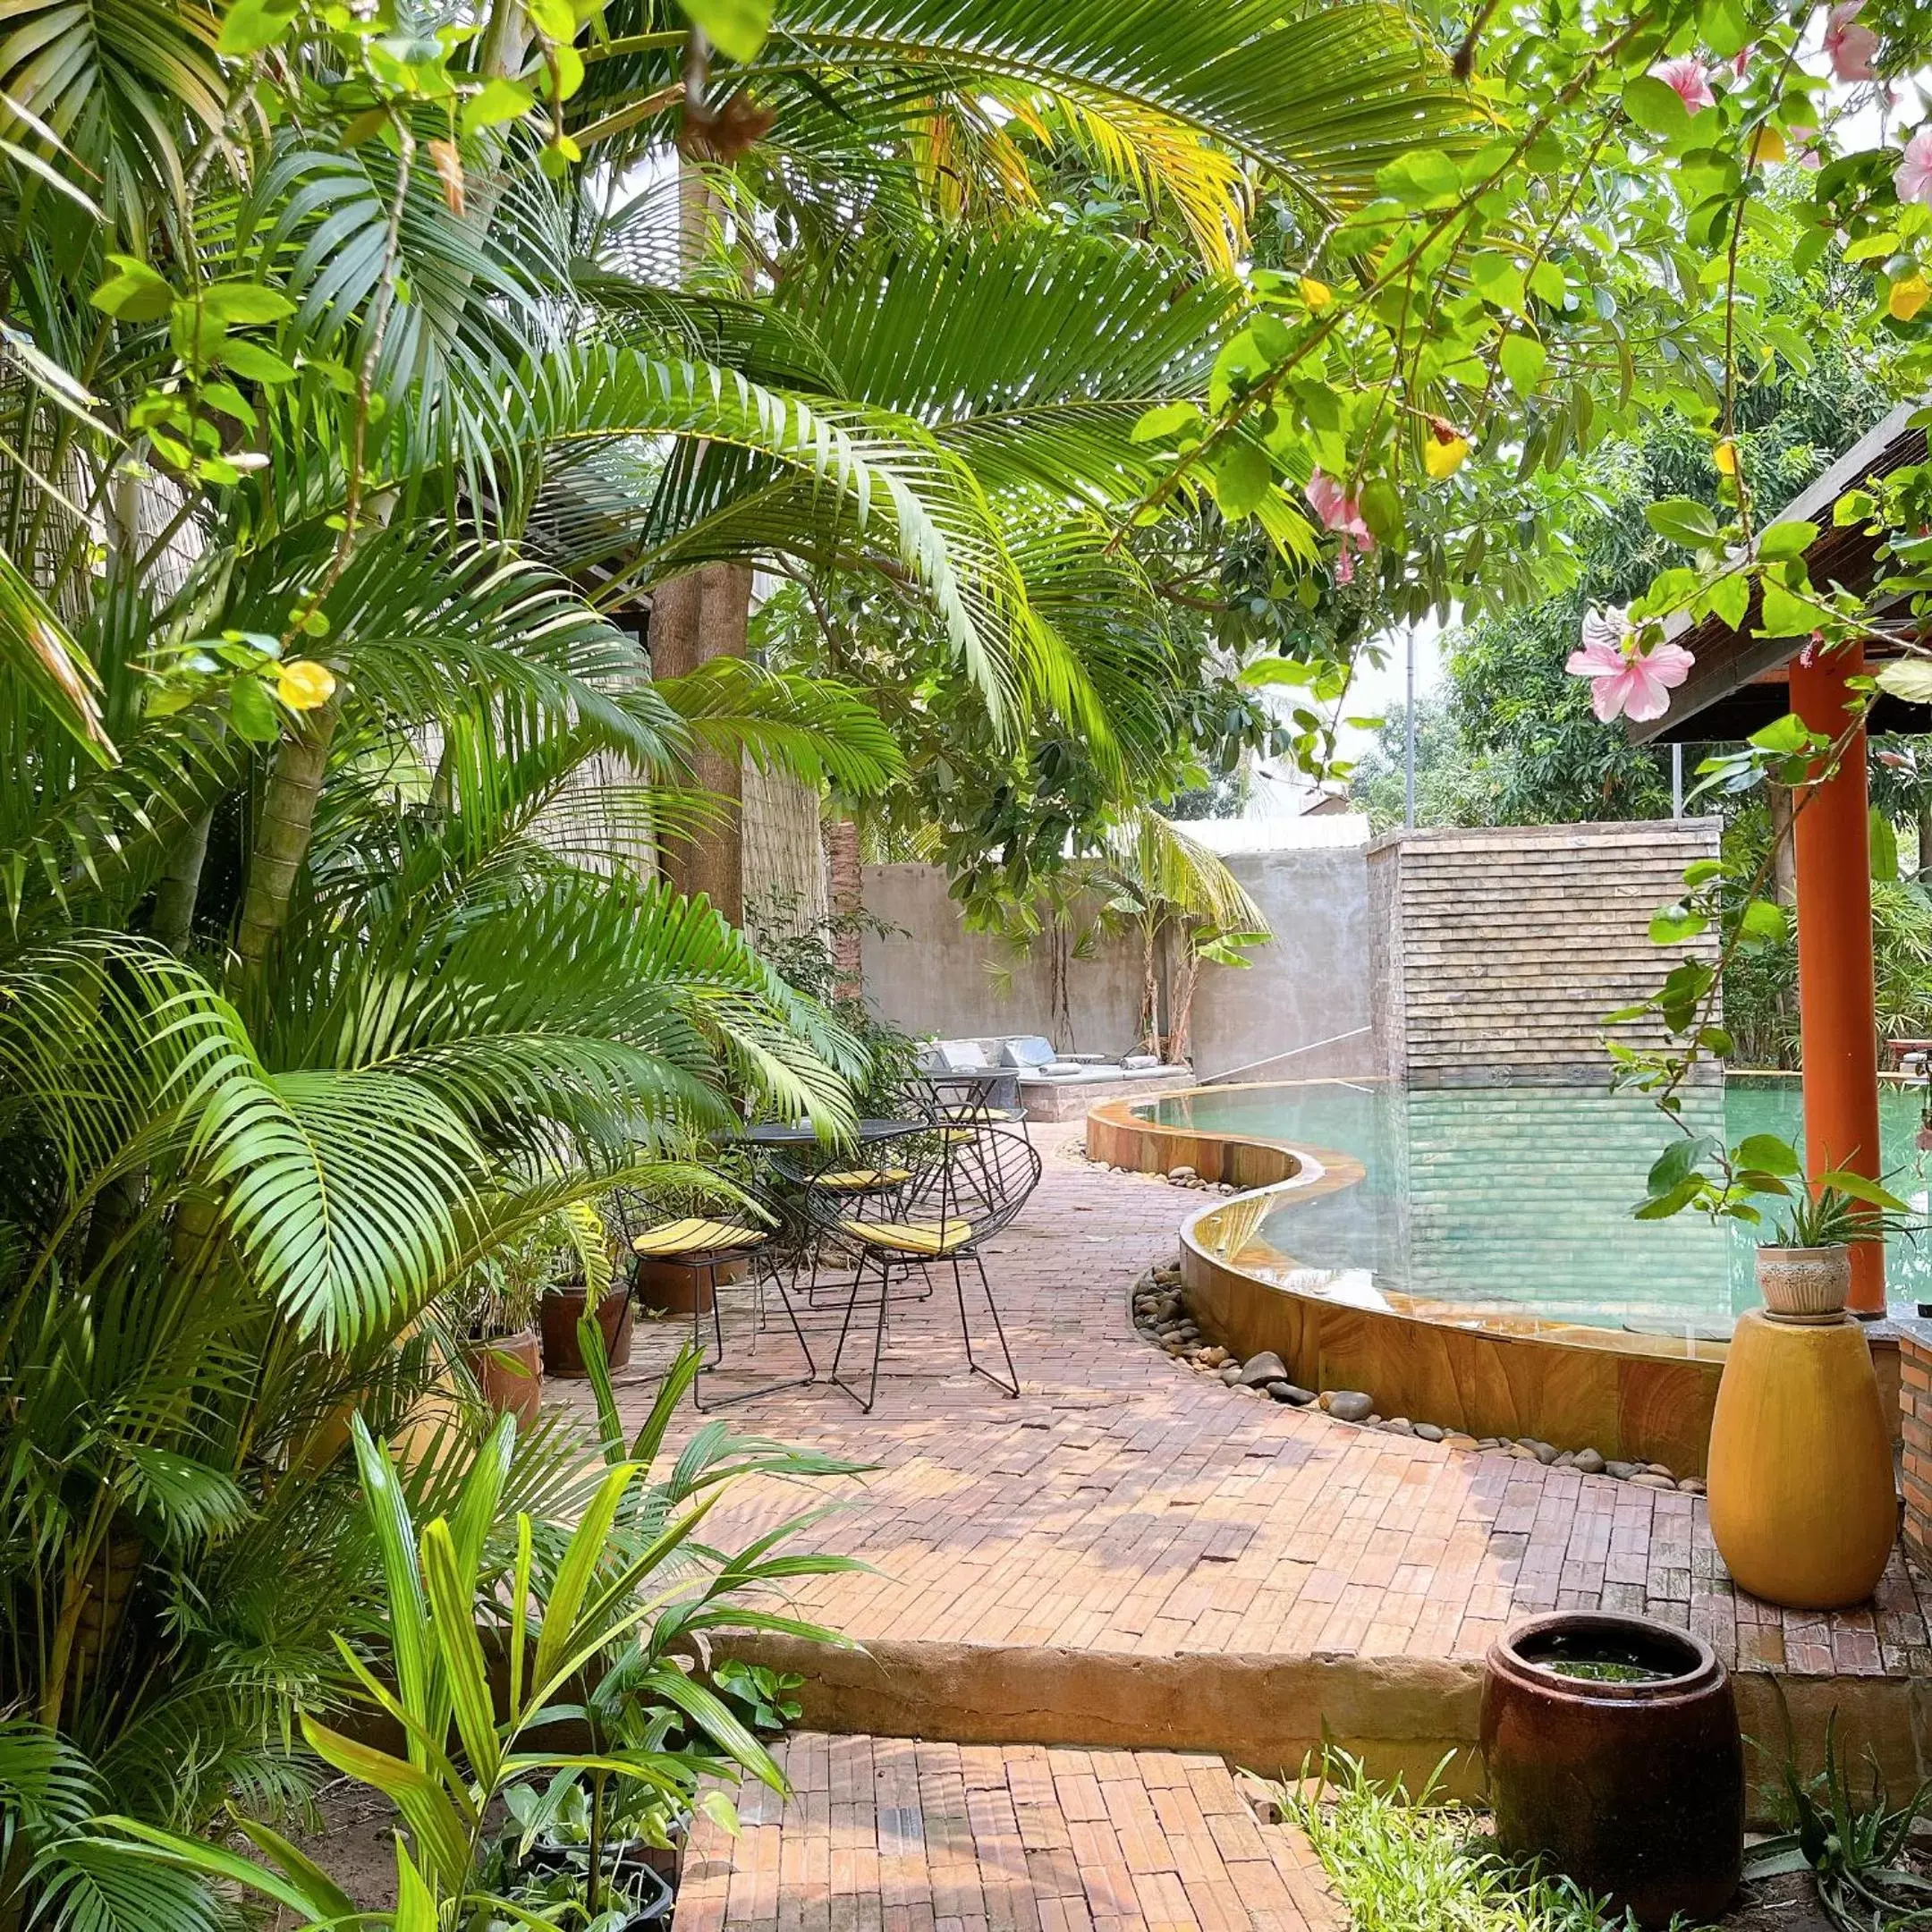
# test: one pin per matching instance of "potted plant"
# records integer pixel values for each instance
(1804, 1269)
(494, 1311)
(566, 1296)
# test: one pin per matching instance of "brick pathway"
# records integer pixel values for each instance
(887, 1835)
(1128, 1507)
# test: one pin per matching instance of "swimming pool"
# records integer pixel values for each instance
(1515, 1201)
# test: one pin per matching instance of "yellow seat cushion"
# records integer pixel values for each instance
(911, 1237)
(984, 1115)
(695, 1235)
(858, 1178)
(954, 1135)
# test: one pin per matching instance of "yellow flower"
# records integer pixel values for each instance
(1725, 457)
(1909, 294)
(1767, 144)
(303, 684)
(1317, 295)
(1444, 455)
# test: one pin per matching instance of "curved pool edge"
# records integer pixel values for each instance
(1634, 1398)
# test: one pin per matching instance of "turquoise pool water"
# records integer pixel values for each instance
(1517, 1200)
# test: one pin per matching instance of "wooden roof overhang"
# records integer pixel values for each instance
(1738, 684)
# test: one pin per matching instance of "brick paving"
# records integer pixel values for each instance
(884, 1834)
(1128, 1505)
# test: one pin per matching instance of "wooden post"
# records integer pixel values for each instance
(1836, 1018)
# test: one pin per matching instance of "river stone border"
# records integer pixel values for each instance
(1158, 1305)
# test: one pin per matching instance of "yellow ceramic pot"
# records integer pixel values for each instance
(1802, 1508)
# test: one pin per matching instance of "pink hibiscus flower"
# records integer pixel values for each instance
(1340, 513)
(1913, 175)
(1741, 60)
(1850, 45)
(1686, 78)
(1626, 682)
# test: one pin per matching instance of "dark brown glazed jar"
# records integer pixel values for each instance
(1635, 1789)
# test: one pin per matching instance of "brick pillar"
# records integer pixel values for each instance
(1915, 1419)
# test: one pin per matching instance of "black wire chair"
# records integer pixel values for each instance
(706, 1231)
(955, 1197)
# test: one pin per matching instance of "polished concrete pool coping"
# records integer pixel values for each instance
(1636, 1396)
(1131, 1556)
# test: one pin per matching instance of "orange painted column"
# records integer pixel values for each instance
(1838, 1026)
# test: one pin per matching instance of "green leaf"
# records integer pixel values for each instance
(251, 25)
(252, 362)
(1782, 614)
(1909, 678)
(1768, 1152)
(1884, 853)
(1656, 106)
(252, 712)
(1862, 1188)
(1382, 512)
(1702, 871)
(1425, 177)
(244, 302)
(1242, 477)
(1678, 1161)
(1165, 420)
(1786, 736)
(735, 27)
(1786, 540)
(1675, 924)
(1730, 598)
(1662, 1207)
(1498, 280)
(453, 1610)
(136, 294)
(1682, 519)
(1763, 922)
(497, 101)
(1523, 358)
(555, 20)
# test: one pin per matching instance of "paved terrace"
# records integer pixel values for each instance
(1131, 1554)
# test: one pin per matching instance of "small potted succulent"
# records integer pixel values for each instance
(1804, 1269)
(568, 1293)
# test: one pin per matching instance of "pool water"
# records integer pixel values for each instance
(1517, 1200)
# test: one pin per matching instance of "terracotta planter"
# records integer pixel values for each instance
(1802, 1508)
(509, 1371)
(678, 1288)
(1804, 1285)
(560, 1312)
(1634, 1789)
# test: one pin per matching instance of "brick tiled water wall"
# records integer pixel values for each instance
(1915, 1421)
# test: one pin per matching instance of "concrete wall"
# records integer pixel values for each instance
(1306, 988)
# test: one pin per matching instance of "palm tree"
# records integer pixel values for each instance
(345, 426)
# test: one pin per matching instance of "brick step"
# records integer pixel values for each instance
(887, 1833)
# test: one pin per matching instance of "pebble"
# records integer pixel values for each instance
(1347, 1405)
(1456, 1439)
(1691, 1484)
(1430, 1432)
(1490, 1442)
(1566, 1459)
(1589, 1461)
(1644, 1479)
(1214, 1355)
(1231, 1373)
(1262, 1369)
(1399, 1426)
(1659, 1468)
(1523, 1452)
(1622, 1471)
(1181, 1174)
(1288, 1392)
